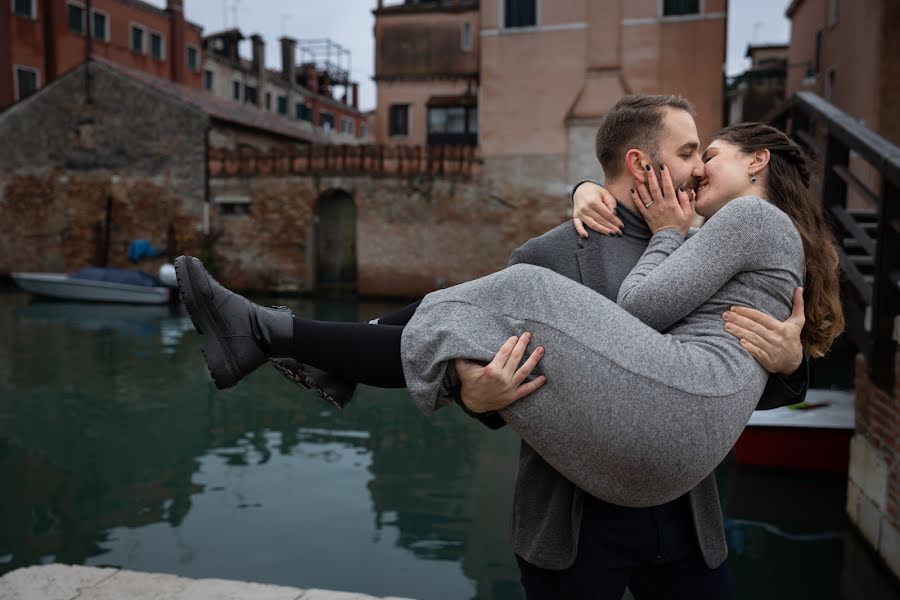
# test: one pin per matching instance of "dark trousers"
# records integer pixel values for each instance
(652, 551)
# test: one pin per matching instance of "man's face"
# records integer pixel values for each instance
(679, 148)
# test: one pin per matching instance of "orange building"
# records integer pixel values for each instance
(847, 53)
(536, 76)
(42, 39)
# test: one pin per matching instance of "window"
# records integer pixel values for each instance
(24, 8)
(834, 11)
(26, 81)
(303, 112)
(453, 125)
(363, 131)
(208, 79)
(473, 120)
(347, 126)
(156, 46)
(282, 105)
(830, 82)
(268, 100)
(76, 18)
(466, 42)
(236, 90)
(398, 119)
(326, 120)
(675, 8)
(193, 59)
(100, 25)
(137, 39)
(250, 95)
(817, 59)
(519, 13)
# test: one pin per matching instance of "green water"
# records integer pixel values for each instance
(116, 449)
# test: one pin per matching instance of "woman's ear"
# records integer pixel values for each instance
(760, 160)
(634, 162)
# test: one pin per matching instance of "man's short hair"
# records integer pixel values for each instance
(634, 122)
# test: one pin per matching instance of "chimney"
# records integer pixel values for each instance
(177, 47)
(288, 58)
(354, 95)
(259, 68)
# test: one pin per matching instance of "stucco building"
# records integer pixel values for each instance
(41, 40)
(303, 91)
(535, 76)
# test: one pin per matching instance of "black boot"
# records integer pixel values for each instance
(332, 388)
(240, 335)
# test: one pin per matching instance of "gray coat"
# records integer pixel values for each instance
(547, 506)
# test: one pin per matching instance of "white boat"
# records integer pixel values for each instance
(99, 285)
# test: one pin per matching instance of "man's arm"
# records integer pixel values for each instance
(776, 346)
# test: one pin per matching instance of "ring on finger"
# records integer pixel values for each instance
(647, 205)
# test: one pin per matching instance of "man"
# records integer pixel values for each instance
(567, 543)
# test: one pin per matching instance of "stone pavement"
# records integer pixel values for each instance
(64, 582)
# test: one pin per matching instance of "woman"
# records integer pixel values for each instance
(632, 416)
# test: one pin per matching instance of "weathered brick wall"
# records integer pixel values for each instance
(413, 234)
(873, 489)
(65, 158)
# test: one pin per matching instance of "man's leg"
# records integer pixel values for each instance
(581, 581)
(678, 571)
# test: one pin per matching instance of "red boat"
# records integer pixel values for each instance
(811, 436)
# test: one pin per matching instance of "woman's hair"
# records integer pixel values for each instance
(787, 183)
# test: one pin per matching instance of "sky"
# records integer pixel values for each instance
(350, 23)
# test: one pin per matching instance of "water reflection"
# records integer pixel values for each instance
(116, 449)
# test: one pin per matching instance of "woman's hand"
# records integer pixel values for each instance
(595, 207)
(663, 208)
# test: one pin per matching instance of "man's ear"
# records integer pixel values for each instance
(634, 162)
(760, 160)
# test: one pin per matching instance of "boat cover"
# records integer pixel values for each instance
(125, 276)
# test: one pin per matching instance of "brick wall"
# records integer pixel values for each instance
(873, 489)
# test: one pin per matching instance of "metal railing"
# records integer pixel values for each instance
(331, 159)
(857, 163)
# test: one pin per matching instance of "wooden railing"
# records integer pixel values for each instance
(390, 161)
(868, 234)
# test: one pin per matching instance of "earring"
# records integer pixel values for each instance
(752, 178)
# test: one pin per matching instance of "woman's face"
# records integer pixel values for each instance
(726, 176)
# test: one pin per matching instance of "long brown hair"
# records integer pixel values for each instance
(787, 183)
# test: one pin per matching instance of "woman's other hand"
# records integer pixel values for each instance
(664, 207)
(595, 207)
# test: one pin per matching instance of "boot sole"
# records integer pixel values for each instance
(191, 285)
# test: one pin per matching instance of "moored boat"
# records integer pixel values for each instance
(95, 284)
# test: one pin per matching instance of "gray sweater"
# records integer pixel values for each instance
(632, 416)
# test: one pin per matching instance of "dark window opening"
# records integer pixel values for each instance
(208, 79)
(326, 120)
(250, 95)
(398, 119)
(156, 47)
(137, 40)
(23, 8)
(453, 125)
(26, 82)
(268, 100)
(817, 59)
(303, 112)
(674, 8)
(236, 209)
(99, 30)
(76, 19)
(236, 90)
(282, 105)
(519, 13)
(192, 59)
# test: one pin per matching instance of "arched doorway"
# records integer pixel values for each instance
(336, 242)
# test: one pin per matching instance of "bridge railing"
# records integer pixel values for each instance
(347, 160)
(856, 162)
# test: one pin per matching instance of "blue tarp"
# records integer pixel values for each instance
(139, 249)
(116, 276)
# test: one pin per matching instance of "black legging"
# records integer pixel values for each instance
(361, 352)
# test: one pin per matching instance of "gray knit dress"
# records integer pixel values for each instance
(631, 415)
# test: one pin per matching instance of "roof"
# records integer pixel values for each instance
(162, 11)
(751, 48)
(452, 6)
(220, 109)
(792, 8)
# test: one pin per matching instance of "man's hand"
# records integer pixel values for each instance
(594, 206)
(774, 344)
(500, 383)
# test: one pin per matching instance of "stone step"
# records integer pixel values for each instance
(64, 582)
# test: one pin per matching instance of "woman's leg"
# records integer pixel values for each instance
(399, 317)
(362, 352)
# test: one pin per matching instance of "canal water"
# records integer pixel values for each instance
(117, 450)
